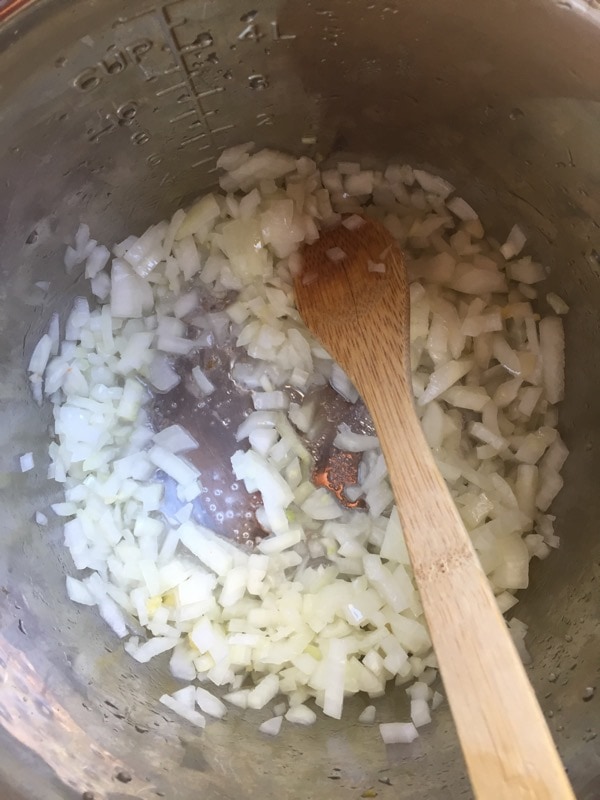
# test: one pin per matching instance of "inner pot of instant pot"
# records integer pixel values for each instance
(115, 116)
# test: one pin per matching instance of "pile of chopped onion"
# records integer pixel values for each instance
(326, 605)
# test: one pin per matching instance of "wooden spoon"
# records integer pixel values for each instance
(362, 318)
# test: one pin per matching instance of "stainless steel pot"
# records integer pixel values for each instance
(114, 113)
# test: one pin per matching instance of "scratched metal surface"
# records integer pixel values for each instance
(116, 117)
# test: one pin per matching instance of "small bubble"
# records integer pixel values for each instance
(32, 238)
(229, 514)
(218, 492)
(228, 74)
(219, 517)
(248, 16)
(212, 508)
(123, 776)
(212, 58)
(88, 796)
(235, 487)
(60, 61)
(258, 82)
(516, 113)
(588, 693)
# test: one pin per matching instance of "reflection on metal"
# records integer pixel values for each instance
(32, 715)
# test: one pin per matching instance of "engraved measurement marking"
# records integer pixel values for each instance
(115, 61)
(263, 119)
(223, 128)
(197, 110)
(277, 35)
(184, 115)
(124, 115)
(168, 89)
(203, 162)
(164, 55)
(254, 32)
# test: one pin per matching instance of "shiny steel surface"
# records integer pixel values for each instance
(114, 113)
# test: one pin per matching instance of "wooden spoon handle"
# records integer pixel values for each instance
(506, 743)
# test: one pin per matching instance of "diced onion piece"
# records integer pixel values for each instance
(161, 374)
(204, 384)
(177, 468)
(433, 183)
(26, 462)
(271, 726)
(195, 717)
(342, 384)
(419, 712)
(301, 715)
(556, 303)
(398, 732)
(335, 671)
(367, 717)
(462, 209)
(514, 243)
(269, 401)
(41, 354)
(443, 378)
(353, 222)
(175, 439)
(205, 546)
(354, 442)
(552, 350)
(264, 691)
(210, 704)
(526, 272)
(336, 254)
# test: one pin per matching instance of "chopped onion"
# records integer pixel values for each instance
(175, 439)
(367, 717)
(353, 222)
(552, 350)
(433, 183)
(326, 605)
(271, 726)
(41, 354)
(398, 732)
(301, 715)
(204, 384)
(26, 462)
(161, 374)
(514, 243)
(336, 254)
(342, 384)
(556, 303)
